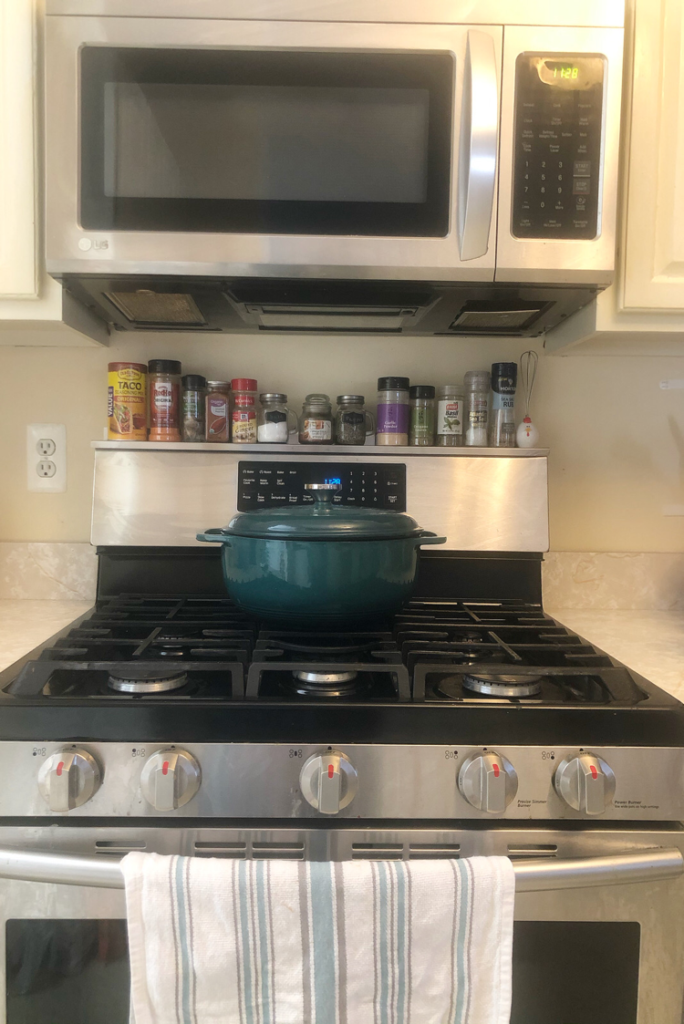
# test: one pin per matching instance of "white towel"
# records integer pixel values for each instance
(281, 942)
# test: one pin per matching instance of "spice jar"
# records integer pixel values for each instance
(276, 421)
(164, 386)
(393, 411)
(194, 421)
(502, 420)
(476, 384)
(315, 423)
(244, 415)
(352, 421)
(422, 431)
(126, 402)
(450, 416)
(217, 407)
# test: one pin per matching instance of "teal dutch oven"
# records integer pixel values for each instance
(320, 563)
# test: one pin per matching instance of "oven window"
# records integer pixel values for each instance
(67, 972)
(575, 972)
(266, 141)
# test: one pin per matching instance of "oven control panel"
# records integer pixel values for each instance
(273, 484)
(558, 118)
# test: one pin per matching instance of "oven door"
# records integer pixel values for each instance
(597, 941)
(278, 149)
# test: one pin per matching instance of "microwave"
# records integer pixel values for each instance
(388, 166)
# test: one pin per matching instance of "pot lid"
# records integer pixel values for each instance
(322, 520)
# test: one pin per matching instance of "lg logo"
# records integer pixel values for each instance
(85, 244)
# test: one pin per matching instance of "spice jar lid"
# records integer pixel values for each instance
(504, 377)
(222, 385)
(243, 384)
(350, 399)
(422, 391)
(272, 396)
(477, 379)
(317, 401)
(164, 366)
(194, 382)
(393, 383)
(450, 391)
(113, 367)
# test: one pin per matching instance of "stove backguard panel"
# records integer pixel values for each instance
(151, 495)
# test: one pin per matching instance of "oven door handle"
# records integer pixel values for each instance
(530, 875)
(479, 139)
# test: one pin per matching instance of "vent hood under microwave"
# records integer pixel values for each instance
(277, 167)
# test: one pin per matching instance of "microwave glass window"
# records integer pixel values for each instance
(67, 972)
(266, 142)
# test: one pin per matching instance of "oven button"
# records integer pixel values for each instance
(170, 779)
(488, 782)
(68, 778)
(586, 783)
(329, 781)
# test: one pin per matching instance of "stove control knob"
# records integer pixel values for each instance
(170, 779)
(586, 783)
(488, 782)
(329, 781)
(68, 778)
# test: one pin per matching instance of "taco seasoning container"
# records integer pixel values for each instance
(476, 385)
(194, 419)
(422, 430)
(243, 425)
(275, 419)
(164, 382)
(352, 421)
(393, 411)
(217, 408)
(315, 423)
(502, 420)
(127, 401)
(450, 416)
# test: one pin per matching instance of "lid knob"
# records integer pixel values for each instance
(323, 493)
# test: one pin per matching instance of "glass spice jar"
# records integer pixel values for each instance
(394, 411)
(476, 385)
(502, 420)
(244, 415)
(164, 382)
(353, 422)
(194, 420)
(422, 431)
(276, 421)
(450, 416)
(217, 407)
(315, 423)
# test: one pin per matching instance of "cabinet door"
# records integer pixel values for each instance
(653, 265)
(18, 271)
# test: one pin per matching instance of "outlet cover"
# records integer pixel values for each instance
(46, 457)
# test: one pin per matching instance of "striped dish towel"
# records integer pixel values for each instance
(282, 942)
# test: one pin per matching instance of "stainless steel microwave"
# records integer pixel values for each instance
(347, 165)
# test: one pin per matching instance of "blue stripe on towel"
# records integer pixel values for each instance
(183, 935)
(324, 940)
(243, 867)
(385, 940)
(400, 871)
(464, 910)
(263, 941)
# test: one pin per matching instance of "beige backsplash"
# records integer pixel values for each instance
(572, 579)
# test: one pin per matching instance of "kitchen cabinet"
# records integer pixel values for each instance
(647, 298)
(33, 309)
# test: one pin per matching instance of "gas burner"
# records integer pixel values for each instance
(503, 684)
(325, 646)
(326, 685)
(134, 679)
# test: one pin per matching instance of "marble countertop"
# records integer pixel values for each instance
(651, 643)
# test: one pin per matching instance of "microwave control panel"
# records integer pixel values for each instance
(558, 119)
(273, 484)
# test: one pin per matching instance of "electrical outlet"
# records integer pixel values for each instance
(46, 457)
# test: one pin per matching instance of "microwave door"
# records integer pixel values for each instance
(258, 149)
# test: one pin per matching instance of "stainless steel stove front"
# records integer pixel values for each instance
(615, 943)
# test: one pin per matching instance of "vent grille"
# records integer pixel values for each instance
(427, 851)
(216, 849)
(494, 320)
(119, 846)
(278, 851)
(148, 307)
(377, 851)
(524, 850)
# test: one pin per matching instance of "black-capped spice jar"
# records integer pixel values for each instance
(194, 418)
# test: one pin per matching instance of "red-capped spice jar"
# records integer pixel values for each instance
(164, 378)
(244, 416)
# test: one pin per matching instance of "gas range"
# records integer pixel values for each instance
(170, 705)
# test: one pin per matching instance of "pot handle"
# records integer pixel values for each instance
(214, 537)
(429, 538)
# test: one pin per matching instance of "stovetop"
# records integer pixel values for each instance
(437, 671)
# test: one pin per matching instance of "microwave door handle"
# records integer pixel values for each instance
(530, 875)
(478, 146)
